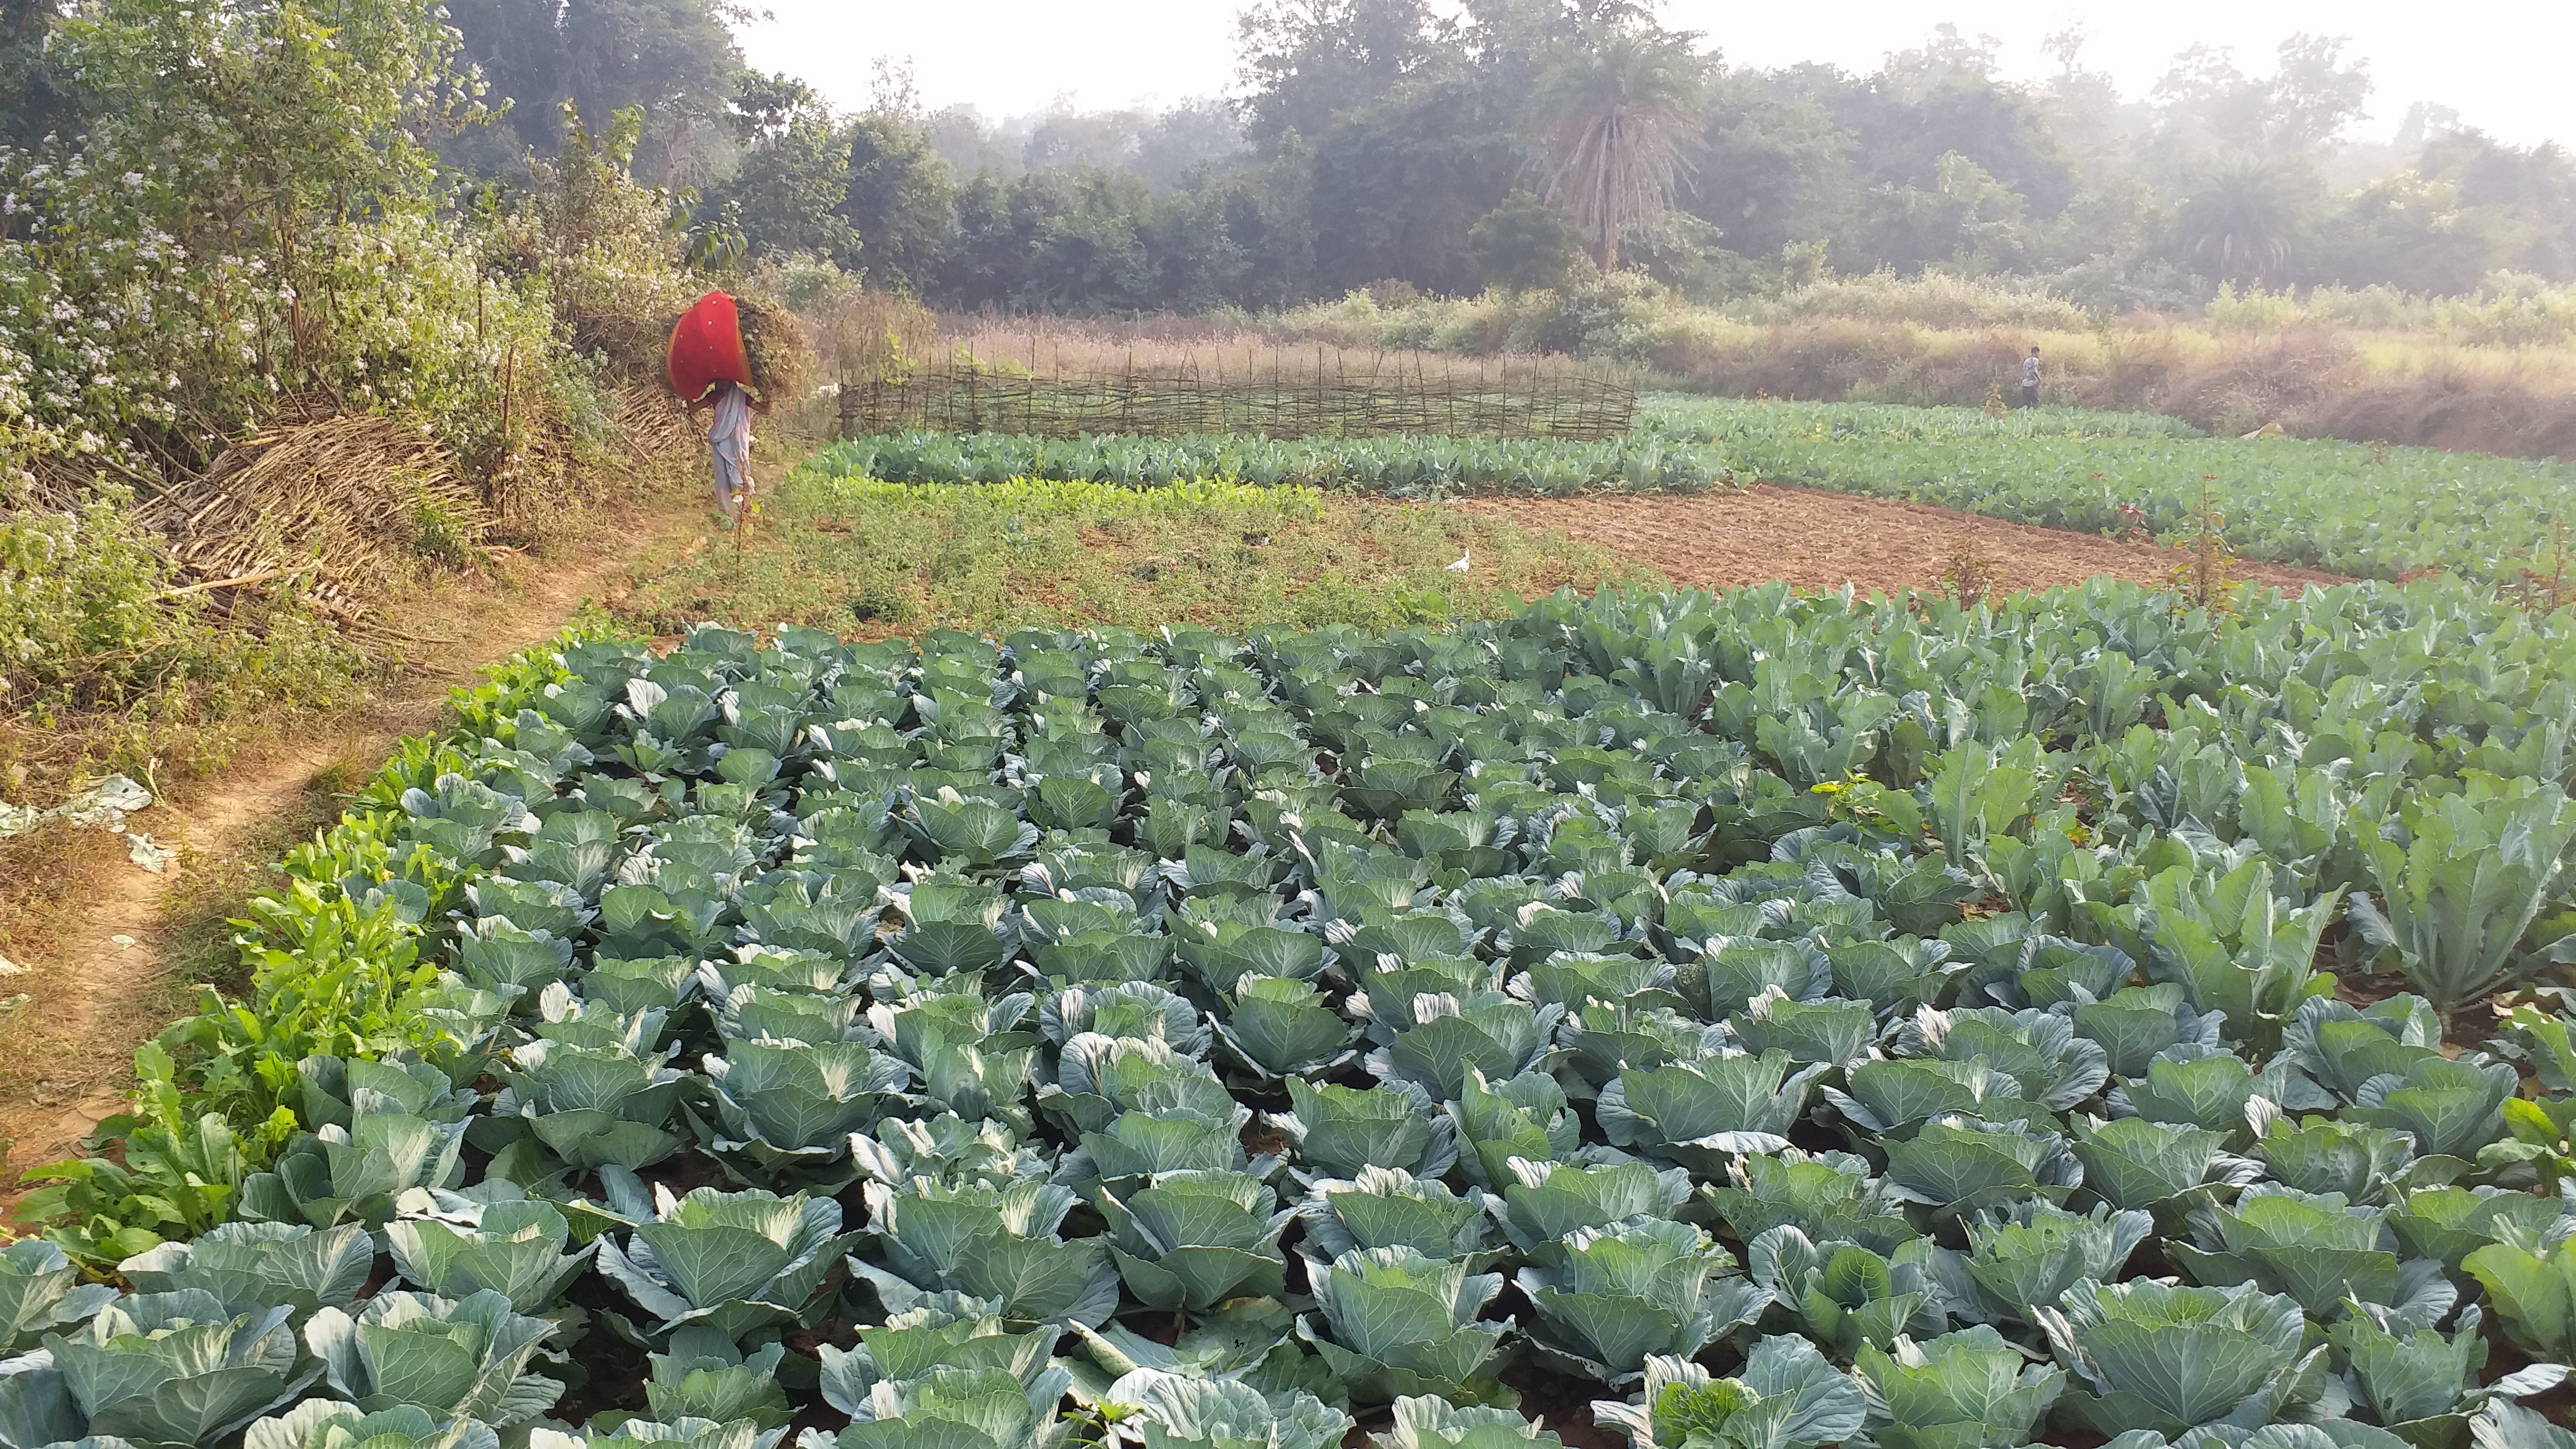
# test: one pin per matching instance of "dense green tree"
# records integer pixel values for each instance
(37, 98)
(1772, 169)
(2412, 232)
(2530, 192)
(674, 58)
(1311, 62)
(1524, 243)
(790, 190)
(900, 201)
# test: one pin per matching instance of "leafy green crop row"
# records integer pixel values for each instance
(2369, 512)
(1784, 1021)
(1401, 467)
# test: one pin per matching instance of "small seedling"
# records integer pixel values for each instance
(2206, 578)
(1971, 575)
(2543, 586)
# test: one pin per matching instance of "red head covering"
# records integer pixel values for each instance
(706, 348)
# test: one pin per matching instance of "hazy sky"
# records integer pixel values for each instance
(2502, 65)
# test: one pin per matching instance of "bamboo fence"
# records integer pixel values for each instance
(1271, 392)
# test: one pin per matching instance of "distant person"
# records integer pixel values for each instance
(729, 441)
(2030, 379)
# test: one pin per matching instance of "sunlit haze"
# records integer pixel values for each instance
(2502, 66)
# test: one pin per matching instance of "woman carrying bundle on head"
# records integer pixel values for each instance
(733, 357)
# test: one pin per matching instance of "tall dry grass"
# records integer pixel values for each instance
(2495, 375)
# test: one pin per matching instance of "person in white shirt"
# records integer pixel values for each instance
(2030, 379)
(729, 441)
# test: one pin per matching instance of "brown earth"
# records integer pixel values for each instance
(1820, 540)
(117, 960)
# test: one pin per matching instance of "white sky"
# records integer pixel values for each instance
(2504, 66)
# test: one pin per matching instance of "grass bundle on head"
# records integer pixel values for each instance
(774, 342)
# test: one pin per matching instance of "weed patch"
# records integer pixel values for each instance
(872, 558)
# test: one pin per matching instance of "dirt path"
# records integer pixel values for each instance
(1822, 540)
(119, 970)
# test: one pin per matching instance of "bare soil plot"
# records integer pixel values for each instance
(1819, 540)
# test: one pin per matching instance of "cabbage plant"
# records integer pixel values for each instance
(1281, 1026)
(736, 1261)
(2449, 1223)
(2341, 1046)
(354, 1173)
(1833, 1032)
(1387, 1207)
(1701, 1113)
(789, 1107)
(2534, 1295)
(2422, 1386)
(1546, 1201)
(40, 1291)
(2030, 1254)
(1786, 1396)
(328, 1424)
(2461, 879)
(1957, 1165)
(940, 1330)
(1887, 1099)
(1395, 1322)
(947, 1149)
(1828, 1196)
(2162, 1168)
(2148, 1355)
(453, 1358)
(1428, 1423)
(1195, 1239)
(2315, 1247)
(704, 1376)
(2055, 1067)
(1846, 1295)
(1523, 1116)
(1964, 1390)
(958, 1408)
(1608, 1297)
(516, 1248)
(594, 1106)
(1339, 1131)
(2450, 1108)
(989, 1241)
(1489, 1032)
(1169, 1409)
(255, 1266)
(154, 1369)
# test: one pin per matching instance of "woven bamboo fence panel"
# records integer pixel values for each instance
(1326, 395)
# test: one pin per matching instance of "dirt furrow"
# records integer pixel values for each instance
(109, 975)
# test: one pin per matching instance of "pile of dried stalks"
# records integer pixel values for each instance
(342, 505)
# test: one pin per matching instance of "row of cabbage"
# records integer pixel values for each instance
(2363, 510)
(1407, 467)
(1799, 1021)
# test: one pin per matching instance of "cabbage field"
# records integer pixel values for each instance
(2358, 509)
(2348, 508)
(1752, 1022)
(1402, 467)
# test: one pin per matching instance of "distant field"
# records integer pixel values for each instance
(2350, 508)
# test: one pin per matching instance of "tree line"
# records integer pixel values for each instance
(1519, 143)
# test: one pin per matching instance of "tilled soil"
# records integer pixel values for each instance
(1820, 540)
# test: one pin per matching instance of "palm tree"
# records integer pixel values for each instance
(1620, 113)
(2242, 224)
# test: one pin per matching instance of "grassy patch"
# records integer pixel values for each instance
(868, 558)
